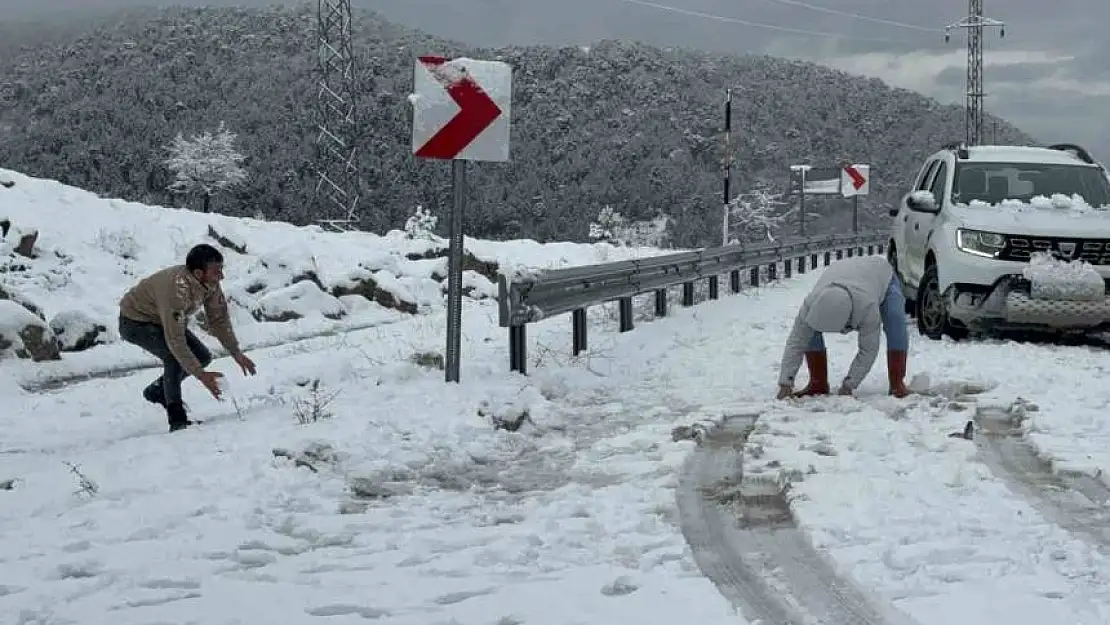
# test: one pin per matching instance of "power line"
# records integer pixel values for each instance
(736, 20)
(864, 18)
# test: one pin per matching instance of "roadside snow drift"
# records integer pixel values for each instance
(67, 256)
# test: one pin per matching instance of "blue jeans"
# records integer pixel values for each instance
(893, 312)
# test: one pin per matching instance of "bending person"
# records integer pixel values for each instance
(859, 294)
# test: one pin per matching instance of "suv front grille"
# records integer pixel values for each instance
(1094, 251)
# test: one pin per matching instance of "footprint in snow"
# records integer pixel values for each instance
(619, 587)
(458, 597)
(347, 610)
(166, 583)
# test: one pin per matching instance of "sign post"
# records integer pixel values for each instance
(850, 180)
(461, 112)
(855, 180)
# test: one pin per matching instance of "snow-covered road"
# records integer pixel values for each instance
(409, 508)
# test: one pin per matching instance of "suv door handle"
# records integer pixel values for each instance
(917, 226)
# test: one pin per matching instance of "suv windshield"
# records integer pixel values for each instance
(994, 182)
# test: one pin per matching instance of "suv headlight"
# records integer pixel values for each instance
(979, 243)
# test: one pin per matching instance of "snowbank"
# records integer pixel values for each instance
(282, 280)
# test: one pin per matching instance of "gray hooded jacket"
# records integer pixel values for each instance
(846, 298)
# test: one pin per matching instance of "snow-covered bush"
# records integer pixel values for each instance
(607, 226)
(421, 224)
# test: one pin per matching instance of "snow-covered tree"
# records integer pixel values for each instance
(756, 215)
(607, 226)
(421, 224)
(205, 164)
(651, 233)
(612, 227)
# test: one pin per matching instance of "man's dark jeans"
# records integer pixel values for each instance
(150, 337)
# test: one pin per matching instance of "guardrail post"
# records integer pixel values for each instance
(801, 264)
(687, 293)
(813, 261)
(839, 254)
(578, 320)
(772, 272)
(714, 287)
(755, 276)
(734, 281)
(787, 267)
(828, 258)
(626, 314)
(518, 349)
(660, 302)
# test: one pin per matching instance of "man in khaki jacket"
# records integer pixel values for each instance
(154, 314)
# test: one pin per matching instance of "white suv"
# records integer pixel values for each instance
(979, 218)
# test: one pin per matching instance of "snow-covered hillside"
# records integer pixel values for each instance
(348, 483)
(283, 281)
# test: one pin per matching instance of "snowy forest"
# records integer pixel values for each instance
(619, 126)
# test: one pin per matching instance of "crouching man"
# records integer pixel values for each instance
(154, 314)
(859, 294)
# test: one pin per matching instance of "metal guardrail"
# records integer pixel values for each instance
(525, 299)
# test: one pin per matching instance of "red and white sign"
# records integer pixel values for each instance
(461, 109)
(855, 180)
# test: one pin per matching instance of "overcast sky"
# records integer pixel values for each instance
(1050, 75)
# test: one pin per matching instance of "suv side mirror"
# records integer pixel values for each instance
(922, 202)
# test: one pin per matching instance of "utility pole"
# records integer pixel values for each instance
(974, 23)
(727, 166)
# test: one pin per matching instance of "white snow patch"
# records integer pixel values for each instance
(923, 196)
(71, 326)
(477, 284)
(303, 299)
(1041, 215)
(386, 281)
(13, 319)
(232, 234)
(1055, 279)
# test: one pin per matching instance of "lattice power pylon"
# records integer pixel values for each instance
(338, 184)
(974, 23)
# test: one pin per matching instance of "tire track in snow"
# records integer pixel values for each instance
(1075, 501)
(745, 540)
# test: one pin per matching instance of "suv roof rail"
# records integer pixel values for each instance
(1078, 151)
(959, 147)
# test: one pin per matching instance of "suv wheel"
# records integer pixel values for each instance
(932, 313)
